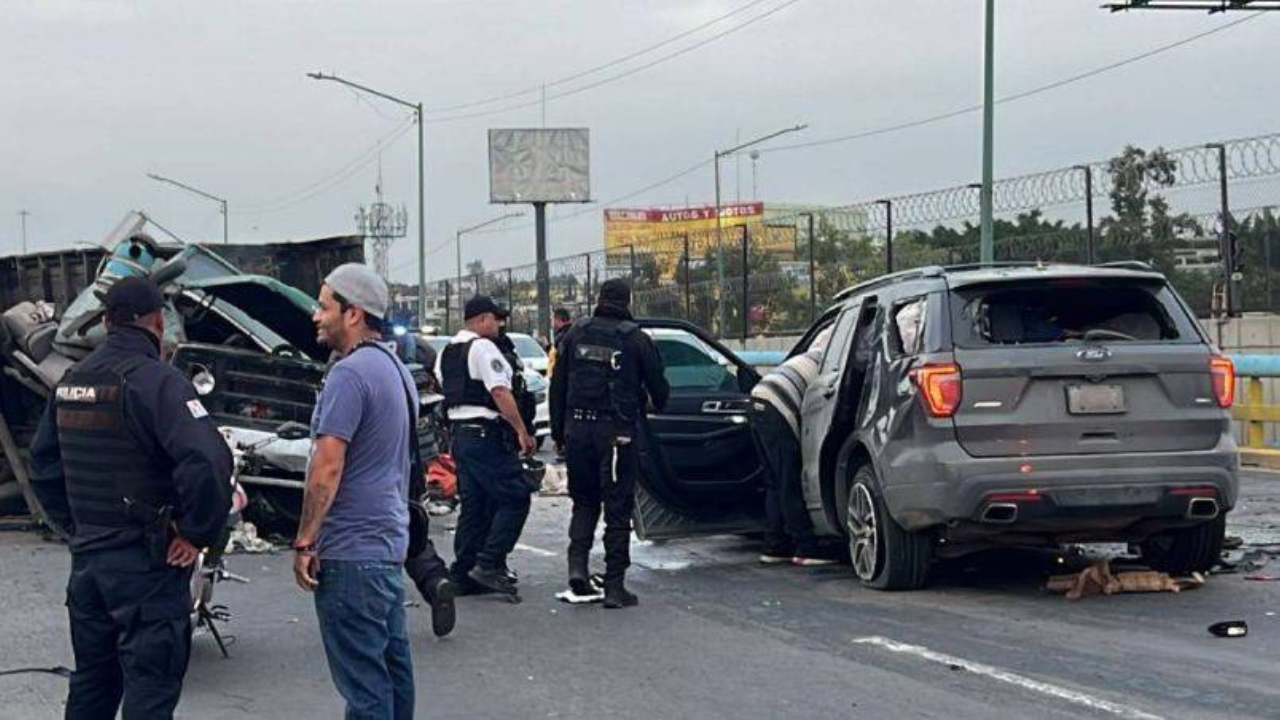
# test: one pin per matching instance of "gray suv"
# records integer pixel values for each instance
(964, 408)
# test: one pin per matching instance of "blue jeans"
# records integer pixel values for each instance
(360, 605)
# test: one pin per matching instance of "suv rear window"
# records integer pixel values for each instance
(1069, 311)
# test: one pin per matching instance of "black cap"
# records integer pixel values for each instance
(615, 292)
(130, 298)
(481, 304)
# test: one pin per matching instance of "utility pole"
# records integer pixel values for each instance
(208, 196)
(719, 221)
(987, 248)
(422, 182)
(23, 215)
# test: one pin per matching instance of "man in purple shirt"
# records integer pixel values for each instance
(354, 532)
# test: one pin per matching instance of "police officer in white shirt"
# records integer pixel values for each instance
(488, 439)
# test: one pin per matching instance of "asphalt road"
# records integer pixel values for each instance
(718, 636)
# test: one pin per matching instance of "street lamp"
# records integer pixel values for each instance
(719, 224)
(201, 193)
(422, 193)
(464, 231)
(987, 246)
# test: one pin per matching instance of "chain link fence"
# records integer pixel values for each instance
(1175, 209)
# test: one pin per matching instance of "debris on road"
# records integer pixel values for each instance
(244, 539)
(1098, 579)
(1230, 629)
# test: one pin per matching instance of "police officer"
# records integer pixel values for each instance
(131, 462)
(488, 438)
(606, 367)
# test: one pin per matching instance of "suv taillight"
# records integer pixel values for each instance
(940, 388)
(1223, 373)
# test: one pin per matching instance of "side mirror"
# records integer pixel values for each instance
(293, 431)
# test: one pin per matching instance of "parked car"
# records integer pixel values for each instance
(530, 352)
(965, 408)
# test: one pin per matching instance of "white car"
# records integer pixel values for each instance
(530, 352)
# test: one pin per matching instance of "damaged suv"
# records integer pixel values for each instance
(958, 409)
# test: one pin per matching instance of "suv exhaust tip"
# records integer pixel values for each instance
(1001, 513)
(1202, 508)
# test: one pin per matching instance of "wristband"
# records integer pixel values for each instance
(307, 548)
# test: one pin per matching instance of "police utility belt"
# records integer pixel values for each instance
(482, 426)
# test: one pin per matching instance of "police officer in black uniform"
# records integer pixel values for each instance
(130, 461)
(598, 388)
(488, 438)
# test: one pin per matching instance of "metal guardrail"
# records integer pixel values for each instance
(1252, 410)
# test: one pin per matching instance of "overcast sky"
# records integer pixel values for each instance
(97, 93)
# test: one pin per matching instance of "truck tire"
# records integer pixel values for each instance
(1187, 550)
(884, 556)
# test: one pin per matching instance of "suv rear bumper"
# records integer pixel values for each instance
(1079, 496)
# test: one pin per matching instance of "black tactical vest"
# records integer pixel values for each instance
(526, 403)
(604, 379)
(459, 387)
(111, 482)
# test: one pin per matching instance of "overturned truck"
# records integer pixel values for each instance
(246, 341)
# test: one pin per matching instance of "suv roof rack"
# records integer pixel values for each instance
(1128, 265)
(938, 270)
(925, 271)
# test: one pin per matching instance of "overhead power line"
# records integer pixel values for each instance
(624, 74)
(1017, 96)
(333, 179)
(912, 123)
(605, 66)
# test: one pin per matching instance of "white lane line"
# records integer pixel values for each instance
(535, 550)
(1005, 676)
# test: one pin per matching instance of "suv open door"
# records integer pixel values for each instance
(700, 469)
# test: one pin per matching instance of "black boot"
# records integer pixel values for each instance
(492, 579)
(582, 530)
(440, 593)
(616, 594)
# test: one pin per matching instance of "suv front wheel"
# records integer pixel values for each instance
(885, 556)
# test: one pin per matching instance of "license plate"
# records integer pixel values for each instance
(1095, 399)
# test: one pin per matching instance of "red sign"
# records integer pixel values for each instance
(684, 215)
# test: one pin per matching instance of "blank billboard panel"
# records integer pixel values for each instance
(539, 165)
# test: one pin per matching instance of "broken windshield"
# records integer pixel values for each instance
(1072, 310)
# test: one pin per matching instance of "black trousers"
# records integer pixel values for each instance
(787, 519)
(493, 497)
(130, 632)
(425, 568)
(602, 474)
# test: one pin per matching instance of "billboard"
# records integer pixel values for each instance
(662, 232)
(539, 165)
(649, 226)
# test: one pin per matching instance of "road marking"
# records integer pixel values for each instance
(1005, 676)
(535, 550)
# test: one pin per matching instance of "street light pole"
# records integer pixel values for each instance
(201, 193)
(422, 182)
(23, 215)
(987, 246)
(720, 225)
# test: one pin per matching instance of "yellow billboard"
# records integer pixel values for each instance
(663, 232)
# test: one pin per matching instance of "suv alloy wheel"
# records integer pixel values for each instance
(884, 556)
